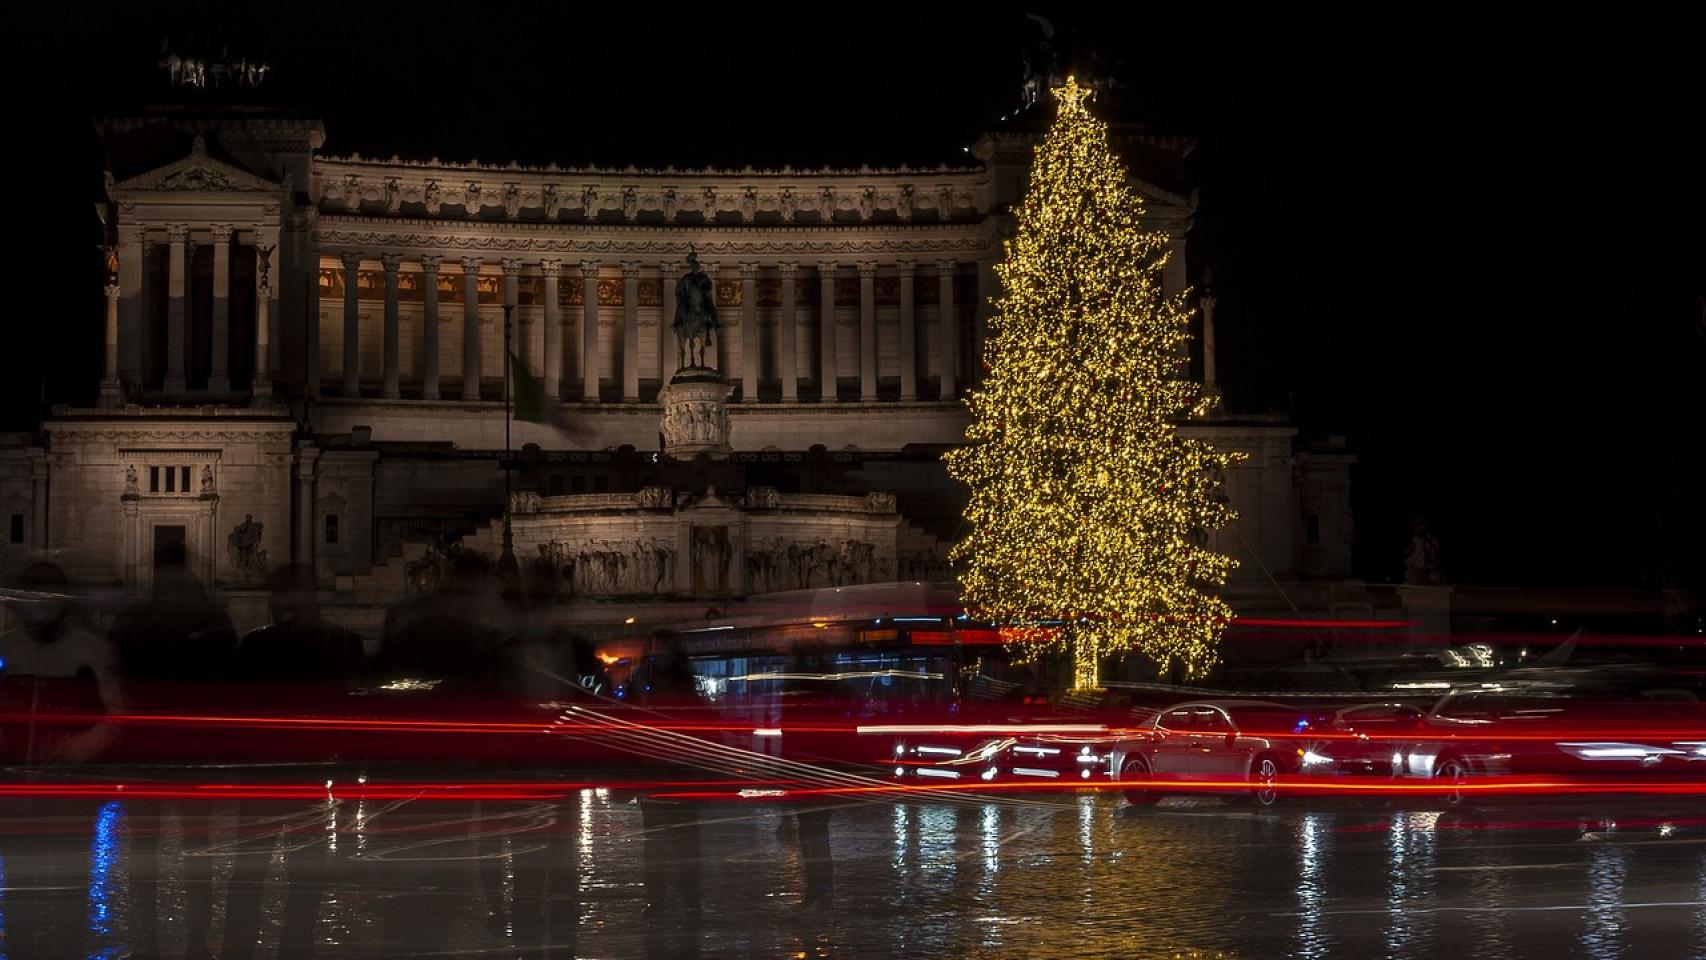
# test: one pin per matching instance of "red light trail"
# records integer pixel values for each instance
(743, 789)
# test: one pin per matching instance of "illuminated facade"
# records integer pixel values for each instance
(316, 344)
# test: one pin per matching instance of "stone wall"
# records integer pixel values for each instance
(119, 485)
(661, 542)
(20, 461)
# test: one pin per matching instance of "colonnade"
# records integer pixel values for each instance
(742, 365)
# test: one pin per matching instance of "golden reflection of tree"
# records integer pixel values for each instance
(1145, 885)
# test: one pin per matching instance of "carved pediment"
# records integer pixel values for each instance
(197, 173)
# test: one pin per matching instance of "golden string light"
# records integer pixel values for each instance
(1089, 514)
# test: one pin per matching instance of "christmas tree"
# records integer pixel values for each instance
(1089, 516)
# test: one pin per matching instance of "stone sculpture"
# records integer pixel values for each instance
(248, 558)
(696, 321)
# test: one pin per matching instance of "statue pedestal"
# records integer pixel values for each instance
(695, 416)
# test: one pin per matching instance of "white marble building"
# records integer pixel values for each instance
(316, 343)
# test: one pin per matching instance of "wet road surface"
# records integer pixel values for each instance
(601, 875)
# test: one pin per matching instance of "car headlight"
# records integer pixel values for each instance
(1313, 760)
(1617, 751)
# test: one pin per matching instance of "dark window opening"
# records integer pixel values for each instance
(331, 528)
(17, 532)
(171, 552)
(1314, 534)
(153, 479)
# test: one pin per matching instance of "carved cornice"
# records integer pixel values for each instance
(632, 172)
(352, 184)
(109, 434)
(342, 223)
(666, 248)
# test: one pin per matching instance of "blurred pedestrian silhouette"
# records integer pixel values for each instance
(799, 707)
(299, 647)
(439, 657)
(177, 639)
(174, 645)
(537, 664)
(299, 664)
(58, 677)
(448, 636)
(815, 858)
(670, 842)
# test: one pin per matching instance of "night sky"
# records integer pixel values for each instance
(1471, 246)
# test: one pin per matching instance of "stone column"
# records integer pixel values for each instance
(470, 328)
(306, 458)
(261, 383)
(132, 308)
(176, 282)
(669, 352)
(553, 363)
(715, 355)
(275, 305)
(110, 394)
(826, 331)
(589, 330)
(219, 371)
(751, 341)
(392, 262)
(512, 300)
(947, 328)
(1211, 388)
(868, 330)
(786, 335)
(38, 502)
(987, 290)
(429, 327)
(1173, 273)
(352, 325)
(311, 329)
(630, 330)
(908, 332)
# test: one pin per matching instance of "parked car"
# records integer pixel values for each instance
(1525, 729)
(1365, 740)
(1213, 746)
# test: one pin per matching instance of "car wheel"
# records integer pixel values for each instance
(1452, 772)
(1135, 768)
(1265, 771)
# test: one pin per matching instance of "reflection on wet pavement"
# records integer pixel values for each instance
(1082, 876)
